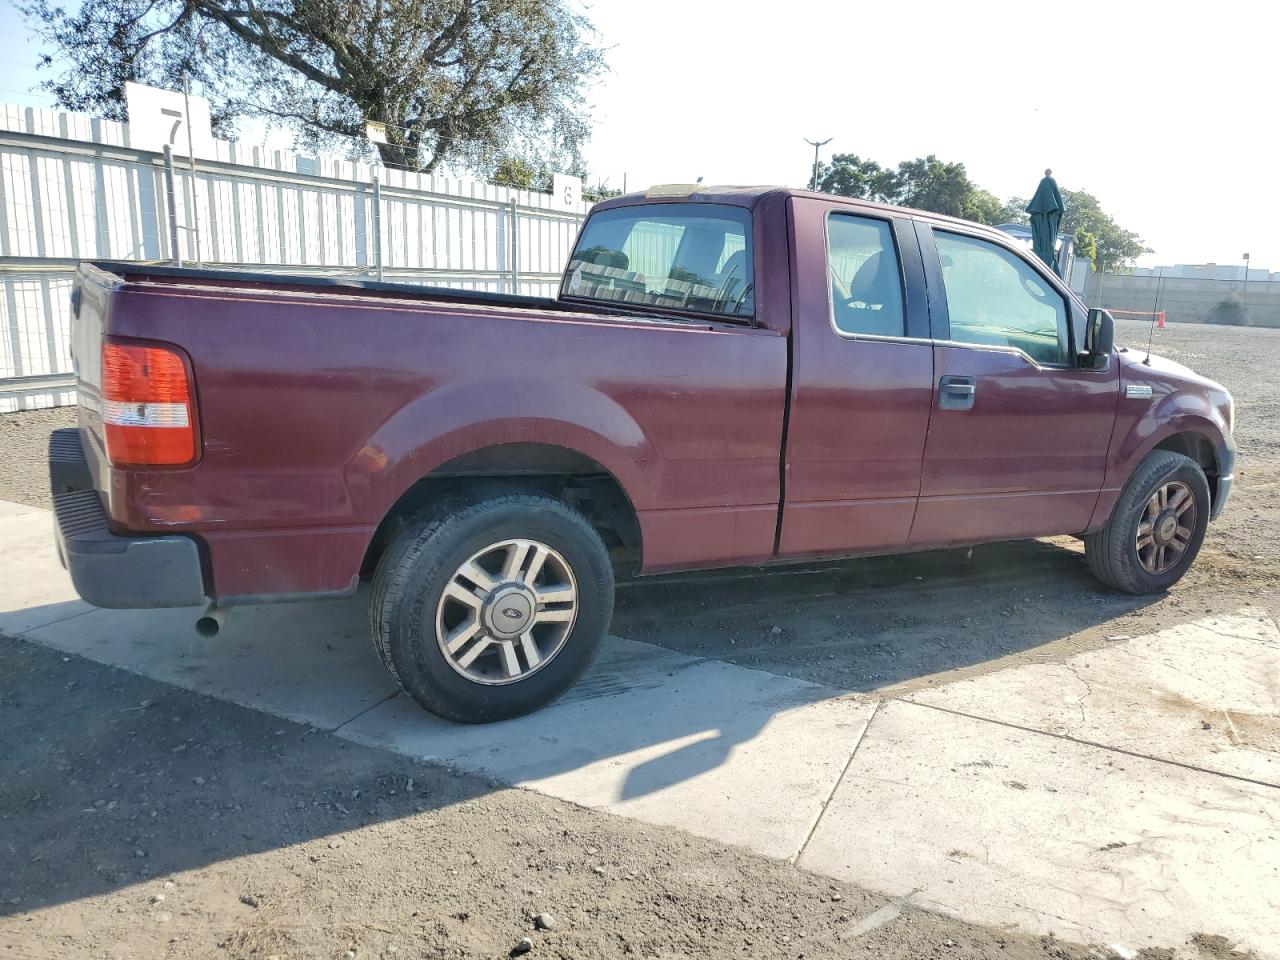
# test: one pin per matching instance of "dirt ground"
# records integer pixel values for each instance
(24, 440)
(279, 841)
(143, 821)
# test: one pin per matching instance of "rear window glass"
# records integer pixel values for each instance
(679, 256)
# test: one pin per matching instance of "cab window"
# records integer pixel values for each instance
(866, 282)
(995, 298)
(678, 256)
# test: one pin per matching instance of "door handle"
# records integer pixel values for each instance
(956, 393)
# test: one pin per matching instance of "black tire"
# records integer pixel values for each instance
(1112, 552)
(422, 560)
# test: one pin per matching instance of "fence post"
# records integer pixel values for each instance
(377, 226)
(191, 159)
(171, 207)
(515, 248)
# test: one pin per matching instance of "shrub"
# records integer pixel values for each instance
(1230, 310)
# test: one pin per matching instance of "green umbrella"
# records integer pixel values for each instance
(1046, 213)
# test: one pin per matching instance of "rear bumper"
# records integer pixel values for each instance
(110, 570)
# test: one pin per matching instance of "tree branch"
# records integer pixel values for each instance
(266, 42)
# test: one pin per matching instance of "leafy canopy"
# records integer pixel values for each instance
(928, 183)
(1116, 247)
(524, 174)
(452, 80)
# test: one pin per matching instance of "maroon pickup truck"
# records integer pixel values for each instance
(728, 376)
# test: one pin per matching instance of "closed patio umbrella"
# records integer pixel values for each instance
(1046, 213)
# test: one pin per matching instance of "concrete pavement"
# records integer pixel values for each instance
(1129, 795)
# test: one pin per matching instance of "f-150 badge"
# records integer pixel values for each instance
(1137, 391)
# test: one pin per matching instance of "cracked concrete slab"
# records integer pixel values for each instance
(1206, 694)
(1012, 827)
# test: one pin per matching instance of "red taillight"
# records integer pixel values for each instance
(147, 410)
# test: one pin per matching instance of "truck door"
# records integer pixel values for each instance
(861, 380)
(1019, 433)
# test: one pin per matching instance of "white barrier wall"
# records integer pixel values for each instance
(72, 188)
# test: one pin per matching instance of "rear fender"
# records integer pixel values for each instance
(462, 418)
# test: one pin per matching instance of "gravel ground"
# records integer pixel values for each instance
(24, 439)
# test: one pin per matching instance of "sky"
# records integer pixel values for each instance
(1168, 113)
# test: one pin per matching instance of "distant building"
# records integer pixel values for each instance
(1207, 271)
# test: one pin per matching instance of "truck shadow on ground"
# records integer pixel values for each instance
(868, 624)
(125, 764)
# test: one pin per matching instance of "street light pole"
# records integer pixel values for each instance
(817, 145)
(1244, 286)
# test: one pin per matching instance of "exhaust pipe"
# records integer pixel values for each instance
(211, 621)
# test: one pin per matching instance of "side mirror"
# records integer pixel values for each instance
(1099, 338)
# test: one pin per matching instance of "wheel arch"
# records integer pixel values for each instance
(1195, 437)
(565, 473)
(1197, 445)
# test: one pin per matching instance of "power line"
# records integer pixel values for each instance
(29, 93)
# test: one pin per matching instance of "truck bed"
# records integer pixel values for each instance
(323, 402)
(133, 272)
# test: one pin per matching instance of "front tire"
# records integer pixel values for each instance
(1156, 528)
(489, 609)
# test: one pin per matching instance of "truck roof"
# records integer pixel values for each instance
(749, 196)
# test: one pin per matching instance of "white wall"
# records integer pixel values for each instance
(72, 187)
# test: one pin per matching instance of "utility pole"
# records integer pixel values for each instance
(817, 145)
(1244, 287)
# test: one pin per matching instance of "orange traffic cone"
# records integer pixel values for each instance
(1160, 320)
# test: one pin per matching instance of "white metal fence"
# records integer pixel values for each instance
(71, 188)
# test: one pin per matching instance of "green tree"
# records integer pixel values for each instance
(451, 80)
(1086, 245)
(1116, 247)
(984, 206)
(928, 183)
(522, 174)
(1014, 210)
(601, 191)
(525, 174)
(848, 175)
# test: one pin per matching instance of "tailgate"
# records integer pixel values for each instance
(90, 314)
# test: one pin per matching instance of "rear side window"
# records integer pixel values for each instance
(679, 256)
(866, 283)
(995, 298)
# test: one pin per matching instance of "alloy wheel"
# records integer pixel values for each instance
(1166, 527)
(507, 611)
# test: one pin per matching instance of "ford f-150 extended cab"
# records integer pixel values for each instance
(728, 376)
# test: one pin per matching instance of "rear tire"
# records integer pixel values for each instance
(488, 609)
(1156, 528)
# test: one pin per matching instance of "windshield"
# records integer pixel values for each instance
(679, 256)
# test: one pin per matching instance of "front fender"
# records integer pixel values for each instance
(1172, 415)
(1139, 431)
(464, 417)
